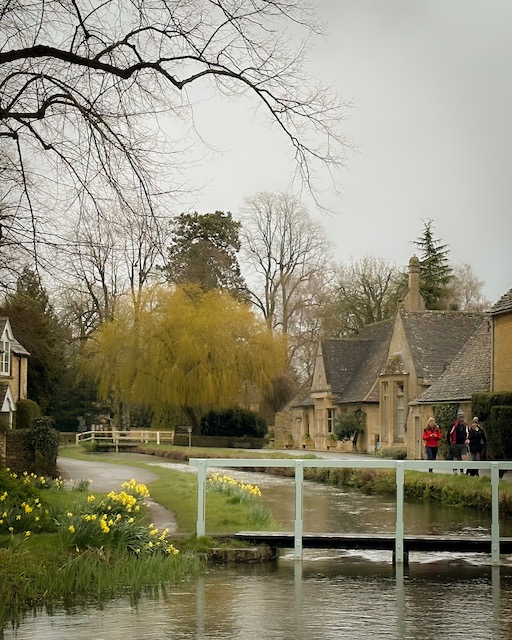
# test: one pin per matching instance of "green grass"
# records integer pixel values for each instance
(177, 492)
(42, 573)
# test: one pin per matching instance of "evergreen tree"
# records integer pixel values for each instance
(436, 272)
(36, 327)
(203, 252)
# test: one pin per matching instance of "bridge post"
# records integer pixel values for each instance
(201, 498)
(495, 517)
(299, 480)
(399, 531)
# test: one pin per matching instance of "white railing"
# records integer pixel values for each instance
(117, 437)
(400, 466)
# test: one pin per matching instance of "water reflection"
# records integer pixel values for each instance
(328, 595)
(329, 598)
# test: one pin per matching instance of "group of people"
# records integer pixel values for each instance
(465, 442)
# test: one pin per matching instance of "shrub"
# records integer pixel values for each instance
(499, 433)
(349, 425)
(26, 412)
(233, 422)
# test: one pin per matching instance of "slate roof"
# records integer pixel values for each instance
(436, 337)
(16, 347)
(3, 322)
(352, 365)
(503, 304)
(469, 372)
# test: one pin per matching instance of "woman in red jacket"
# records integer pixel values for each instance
(431, 437)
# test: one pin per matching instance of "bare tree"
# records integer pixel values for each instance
(107, 259)
(85, 85)
(289, 261)
(465, 290)
(367, 290)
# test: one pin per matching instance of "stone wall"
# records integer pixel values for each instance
(18, 457)
(502, 348)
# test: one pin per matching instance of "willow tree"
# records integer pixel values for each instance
(187, 349)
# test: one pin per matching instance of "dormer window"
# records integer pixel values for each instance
(5, 358)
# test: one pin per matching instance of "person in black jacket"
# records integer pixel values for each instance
(458, 439)
(477, 444)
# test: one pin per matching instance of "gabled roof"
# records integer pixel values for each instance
(16, 347)
(352, 365)
(436, 337)
(364, 385)
(503, 304)
(7, 403)
(468, 373)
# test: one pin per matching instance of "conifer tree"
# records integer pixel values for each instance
(436, 273)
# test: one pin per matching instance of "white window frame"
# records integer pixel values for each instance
(5, 358)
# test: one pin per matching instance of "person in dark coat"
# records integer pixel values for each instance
(458, 439)
(477, 444)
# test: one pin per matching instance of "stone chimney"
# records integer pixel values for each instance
(413, 300)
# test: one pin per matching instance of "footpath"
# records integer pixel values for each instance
(105, 477)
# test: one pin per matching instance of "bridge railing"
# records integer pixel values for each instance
(400, 466)
(117, 437)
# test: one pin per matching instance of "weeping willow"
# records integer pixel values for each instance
(184, 348)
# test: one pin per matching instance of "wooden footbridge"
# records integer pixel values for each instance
(118, 440)
(398, 543)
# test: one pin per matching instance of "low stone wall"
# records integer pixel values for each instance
(18, 457)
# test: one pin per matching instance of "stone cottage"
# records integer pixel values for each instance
(381, 372)
(13, 373)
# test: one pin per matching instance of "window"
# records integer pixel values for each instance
(5, 357)
(384, 411)
(331, 415)
(400, 410)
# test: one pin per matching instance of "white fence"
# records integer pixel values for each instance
(133, 436)
(400, 466)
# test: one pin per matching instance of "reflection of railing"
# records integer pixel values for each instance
(400, 466)
(118, 438)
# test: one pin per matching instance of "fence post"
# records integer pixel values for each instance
(299, 480)
(399, 534)
(495, 517)
(201, 498)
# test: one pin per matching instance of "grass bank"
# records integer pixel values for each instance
(59, 547)
(454, 490)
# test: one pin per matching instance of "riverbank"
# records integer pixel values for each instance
(442, 486)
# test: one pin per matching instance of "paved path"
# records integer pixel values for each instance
(107, 477)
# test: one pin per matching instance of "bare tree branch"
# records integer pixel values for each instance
(84, 86)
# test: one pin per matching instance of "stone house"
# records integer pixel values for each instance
(13, 373)
(484, 364)
(381, 372)
(501, 343)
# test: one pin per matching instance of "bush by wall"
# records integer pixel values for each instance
(445, 416)
(482, 403)
(499, 433)
(235, 423)
(495, 410)
(26, 411)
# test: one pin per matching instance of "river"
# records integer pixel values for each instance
(329, 594)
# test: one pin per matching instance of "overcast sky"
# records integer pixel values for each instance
(431, 81)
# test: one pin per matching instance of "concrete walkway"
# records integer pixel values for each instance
(106, 477)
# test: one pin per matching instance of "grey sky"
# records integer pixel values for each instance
(432, 85)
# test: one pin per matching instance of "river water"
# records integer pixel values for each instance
(329, 594)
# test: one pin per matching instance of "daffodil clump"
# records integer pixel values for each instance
(236, 491)
(21, 509)
(114, 522)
